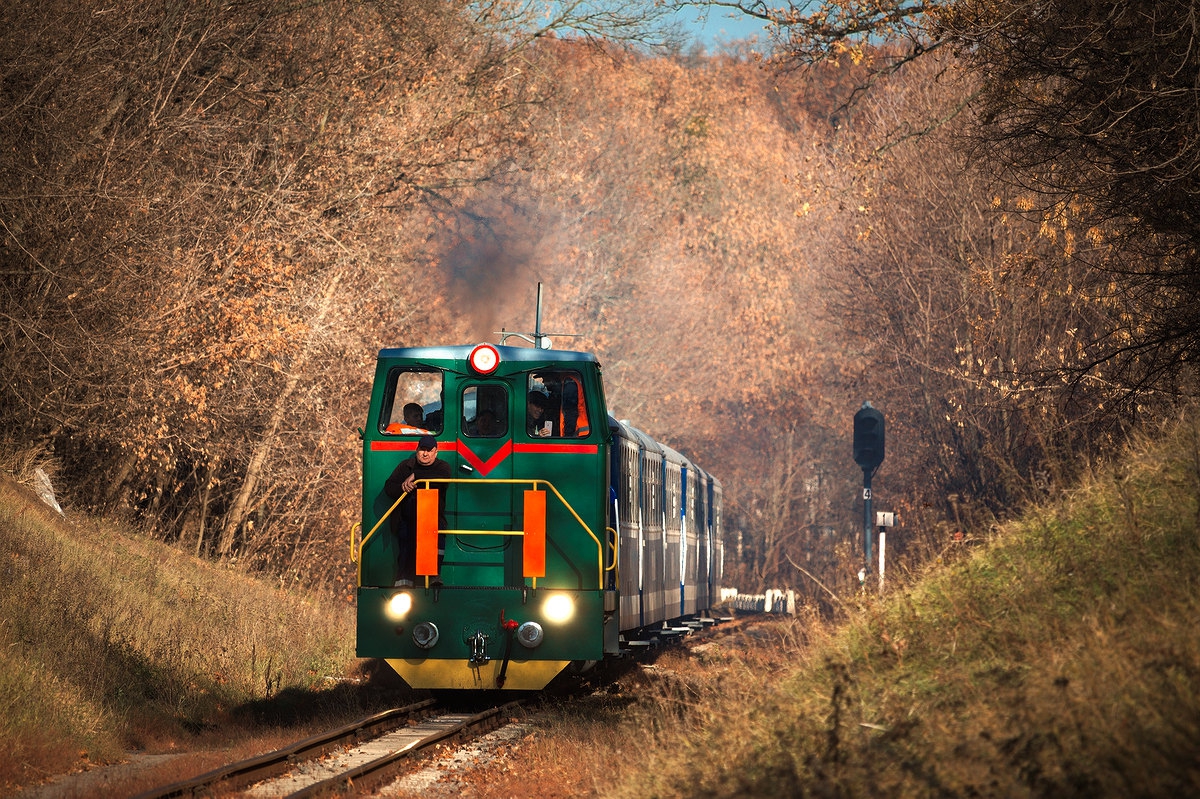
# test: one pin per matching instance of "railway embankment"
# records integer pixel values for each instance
(1059, 657)
(116, 648)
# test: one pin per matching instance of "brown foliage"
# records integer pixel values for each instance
(201, 241)
(968, 318)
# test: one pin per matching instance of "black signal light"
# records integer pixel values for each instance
(868, 437)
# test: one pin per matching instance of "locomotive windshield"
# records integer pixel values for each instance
(412, 404)
(485, 411)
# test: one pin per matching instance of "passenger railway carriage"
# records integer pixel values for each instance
(570, 538)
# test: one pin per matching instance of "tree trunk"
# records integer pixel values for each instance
(241, 505)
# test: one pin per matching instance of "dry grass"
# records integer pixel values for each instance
(651, 719)
(114, 644)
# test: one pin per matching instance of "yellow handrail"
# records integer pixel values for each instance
(353, 527)
(534, 482)
(367, 537)
(616, 540)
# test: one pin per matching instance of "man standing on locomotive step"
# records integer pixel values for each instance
(422, 466)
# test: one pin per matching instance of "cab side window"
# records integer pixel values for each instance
(412, 403)
(556, 405)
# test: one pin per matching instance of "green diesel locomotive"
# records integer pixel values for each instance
(559, 538)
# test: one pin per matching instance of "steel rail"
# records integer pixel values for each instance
(369, 776)
(255, 769)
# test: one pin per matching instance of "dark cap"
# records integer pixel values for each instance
(537, 398)
(427, 442)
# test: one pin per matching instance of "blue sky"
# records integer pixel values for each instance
(722, 25)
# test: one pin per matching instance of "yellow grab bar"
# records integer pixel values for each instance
(535, 482)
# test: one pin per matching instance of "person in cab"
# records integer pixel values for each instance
(537, 425)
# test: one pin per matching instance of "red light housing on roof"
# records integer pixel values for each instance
(484, 359)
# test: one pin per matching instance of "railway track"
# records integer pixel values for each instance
(356, 757)
(378, 749)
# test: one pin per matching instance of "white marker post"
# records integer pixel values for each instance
(883, 520)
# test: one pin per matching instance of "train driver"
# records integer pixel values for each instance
(414, 415)
(414, 421)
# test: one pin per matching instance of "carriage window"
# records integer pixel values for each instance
(412, 403)
(485, 411)
(556, 406)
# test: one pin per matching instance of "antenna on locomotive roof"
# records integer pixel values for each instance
(537, 338)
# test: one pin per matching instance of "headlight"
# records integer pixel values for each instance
(399, 605)
(484, 359)
(425, 634)
(530, 634)
(559, 608)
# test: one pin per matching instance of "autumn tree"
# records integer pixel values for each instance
(216, 215)
(201, 240)
(1085, 110)
(1090, 110)
(678, 236)
(213, 215)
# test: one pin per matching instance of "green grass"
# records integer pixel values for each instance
(112, 642)
(1061, 659)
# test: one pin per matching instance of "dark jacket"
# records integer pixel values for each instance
(394, 487)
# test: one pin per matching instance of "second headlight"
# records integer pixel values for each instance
(559, 608)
